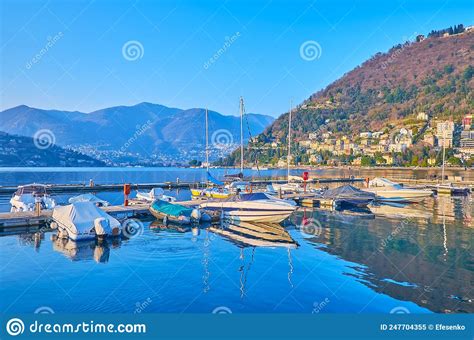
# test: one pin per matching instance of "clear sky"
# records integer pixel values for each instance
(79, 55)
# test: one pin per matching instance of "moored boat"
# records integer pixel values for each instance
(154, 194)
(84, 220)
(177, 213)
(388, 191)
(348, 195)
(89, 198)
(255, 207)
(26, 197)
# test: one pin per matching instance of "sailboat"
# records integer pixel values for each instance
(288, 186)
(240, 175)
(210, 192)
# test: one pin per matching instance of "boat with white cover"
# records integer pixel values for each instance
(388, 191)
(26, 196)
(84, 221)
(154, 194)
(89, 198)
(254, 207)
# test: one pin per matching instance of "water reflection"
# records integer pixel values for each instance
(424, 257)
(99, 250)
(246, 234)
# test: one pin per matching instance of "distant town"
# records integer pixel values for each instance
(413, 142)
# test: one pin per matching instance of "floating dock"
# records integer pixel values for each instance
(83, 188)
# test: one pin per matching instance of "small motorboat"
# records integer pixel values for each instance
(89, 198)
(26, 196)
(388, 191)
(200, 192)
(252, 207)
(154, 194)
(287, 187)
(177, 213)
(348, 195)
(218, 193)
(450, 189)
(83, 221)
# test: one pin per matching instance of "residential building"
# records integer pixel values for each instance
(444, 133)
(422, 116)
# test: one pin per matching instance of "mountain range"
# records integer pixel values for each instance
(145, 133)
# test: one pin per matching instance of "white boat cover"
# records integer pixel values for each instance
(88, 198)
(81, 219)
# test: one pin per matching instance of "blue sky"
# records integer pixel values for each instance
(70, 54)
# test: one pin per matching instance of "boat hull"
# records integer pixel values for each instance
(401, 196)
(257, 216)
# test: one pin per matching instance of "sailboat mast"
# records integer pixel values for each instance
(207, 142)
(289, 140)
(241, 135)
(444, 152)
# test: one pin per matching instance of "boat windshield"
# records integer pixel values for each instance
(254, 196)
(38, 190)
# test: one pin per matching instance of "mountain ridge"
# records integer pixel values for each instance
(131, 134)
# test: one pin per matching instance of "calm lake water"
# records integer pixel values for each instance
(416, 259)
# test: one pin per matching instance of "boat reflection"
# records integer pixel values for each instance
(99, 250)
(425, 260)
(246, 234)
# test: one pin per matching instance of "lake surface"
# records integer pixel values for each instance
(416, 259)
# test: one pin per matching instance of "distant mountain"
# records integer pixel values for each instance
(434, 76)
(18, 151)
(142, 133)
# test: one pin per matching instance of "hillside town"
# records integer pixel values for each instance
(416, 141)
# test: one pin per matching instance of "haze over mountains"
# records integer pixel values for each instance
(145, 133)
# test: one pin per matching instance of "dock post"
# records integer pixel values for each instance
(126, 192)
(37, 206)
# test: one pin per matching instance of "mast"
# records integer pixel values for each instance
(241, 135)
(207, 142)
(289, 140)
(444, 152)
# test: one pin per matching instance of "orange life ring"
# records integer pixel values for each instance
(248, 189)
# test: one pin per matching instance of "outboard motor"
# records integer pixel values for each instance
(196, 215)
(102, 227)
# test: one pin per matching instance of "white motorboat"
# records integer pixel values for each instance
(84, 220)
(255, 207)
(89, 198)
(287, 187)
(155, 194)
(26, 196)
(388, 191)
